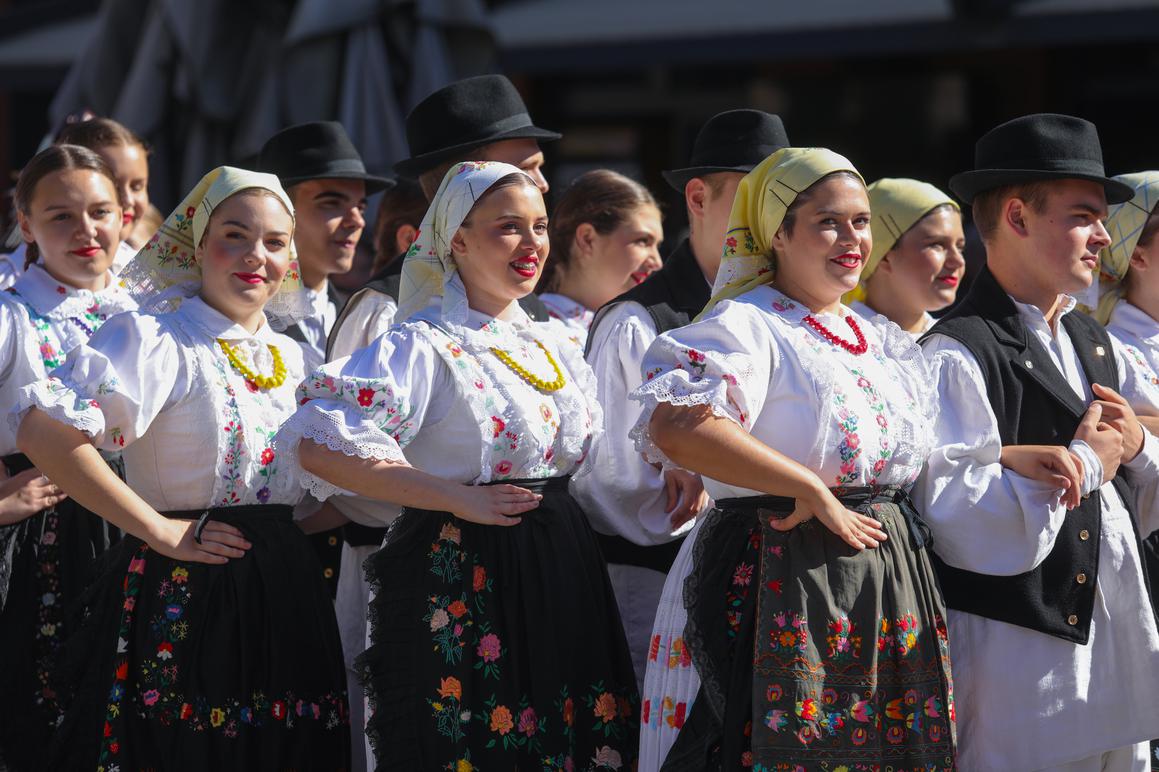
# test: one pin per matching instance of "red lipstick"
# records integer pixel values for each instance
(249, 278)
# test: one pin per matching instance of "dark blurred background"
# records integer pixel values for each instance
(902, 87)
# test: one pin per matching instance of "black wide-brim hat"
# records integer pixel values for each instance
(732, 141)
(320, 150)
(1038, 147)
(463, 115)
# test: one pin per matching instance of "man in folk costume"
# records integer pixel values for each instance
(474, 119)
(325, 177)
(641, 515)
(1053, 634)
(328, 183)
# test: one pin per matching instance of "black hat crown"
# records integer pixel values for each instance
(1038, 147)
(463, 115)
(732, 141)
(314, 151)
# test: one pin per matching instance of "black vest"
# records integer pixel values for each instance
(672, 296)
(1034, 405)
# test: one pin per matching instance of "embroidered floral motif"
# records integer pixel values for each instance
(49, 614)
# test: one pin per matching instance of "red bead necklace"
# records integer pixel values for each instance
(858, 348)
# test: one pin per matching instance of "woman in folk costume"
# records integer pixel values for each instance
(814, 635)
(1129, 273)
(495, 640)
(916, 264)
(210, 639)
(66, 202)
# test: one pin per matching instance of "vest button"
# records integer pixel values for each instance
(1029, 365)
(1084, 534)
(332, 541)
(1072, 620)
(1081, 578)
(329, 573)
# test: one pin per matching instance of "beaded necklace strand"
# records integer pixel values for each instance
(858, 348)
(261, 381)
(526, 376)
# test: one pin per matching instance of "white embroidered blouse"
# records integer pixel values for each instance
(1139, 335)
(852, 419)
(194, 432)
(575, 317)
(41, 321)
(435, 396)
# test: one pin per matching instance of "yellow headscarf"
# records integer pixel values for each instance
(166, 270)
(762, 199)
(897, 204)
(1125, 224)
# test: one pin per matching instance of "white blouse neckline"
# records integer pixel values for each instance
(56, 300)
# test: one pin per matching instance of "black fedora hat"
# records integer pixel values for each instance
(1041, 146)
(732, 141)
(464, 115)
(320, 150)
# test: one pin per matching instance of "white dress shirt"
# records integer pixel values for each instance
(1026, 700)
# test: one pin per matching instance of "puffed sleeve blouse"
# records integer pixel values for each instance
(438, 397)
(41, 321)
(852, 419)
(194, 432)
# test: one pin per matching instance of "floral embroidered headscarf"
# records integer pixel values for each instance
(762, 199)
(429, 270)
(1125, 224)
(896, 205)
(166, 270)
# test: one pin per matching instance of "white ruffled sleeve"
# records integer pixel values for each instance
(113, 386)
(369, 405)
(10, 337)
(1139, 385)
(724, 361)
(985, 518)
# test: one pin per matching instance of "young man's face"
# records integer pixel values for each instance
(1066, 236)
(330, 219)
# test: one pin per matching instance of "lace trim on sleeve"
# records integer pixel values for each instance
(62, 403)
(327, 426)
(677, 387)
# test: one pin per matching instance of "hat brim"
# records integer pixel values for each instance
(967, 185)
(374, 184)
(678, 178)
(414, 166)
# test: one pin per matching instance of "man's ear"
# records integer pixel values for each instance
(695, 196)
(1014, 216)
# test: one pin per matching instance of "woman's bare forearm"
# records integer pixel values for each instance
(397, 483)
(66, 456)
(715, 447)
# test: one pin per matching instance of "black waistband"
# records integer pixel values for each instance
(619, 550)
(539, 485)
(858, 498)
(358, 535)
(283, 513)
(268, 511)
(17, 463)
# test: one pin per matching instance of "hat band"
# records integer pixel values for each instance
(1078, 165)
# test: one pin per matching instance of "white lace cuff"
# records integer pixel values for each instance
(339, 429)
(677, 388)
(62, 403)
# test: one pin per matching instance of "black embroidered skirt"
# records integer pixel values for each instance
(498, 647)
(191, 666)
(46, 562)
(813, 655)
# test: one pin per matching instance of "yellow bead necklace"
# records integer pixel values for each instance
(522, 372)
(261, 381)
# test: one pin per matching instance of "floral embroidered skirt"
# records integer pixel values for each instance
(46, 562)
(498, 648)
(813, 655)
(191, 666)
